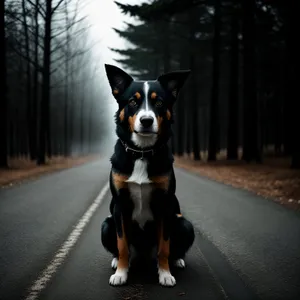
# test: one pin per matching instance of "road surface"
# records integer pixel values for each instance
(50, 248)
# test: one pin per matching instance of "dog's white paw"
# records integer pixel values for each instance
(179, 263)
(119, 278)
(114, 263)
(165, 278)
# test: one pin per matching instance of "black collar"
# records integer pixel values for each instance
(140, 153)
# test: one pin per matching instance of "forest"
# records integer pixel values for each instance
(50, 81)
(241, 96)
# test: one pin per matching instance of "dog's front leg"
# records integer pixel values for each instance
(164, 274)
(121, 274)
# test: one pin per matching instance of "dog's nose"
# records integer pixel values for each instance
(146, 121)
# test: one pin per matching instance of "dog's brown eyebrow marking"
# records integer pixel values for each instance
(153, 95)
(137, 95)
(115, 91)
(121, 115)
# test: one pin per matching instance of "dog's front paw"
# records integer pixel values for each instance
(119, 278)
(114, 263)
(165, 278)
(179, 263)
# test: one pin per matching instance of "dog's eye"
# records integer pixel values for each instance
(132, 102)
(158, 103)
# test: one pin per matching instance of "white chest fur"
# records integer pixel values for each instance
(140, 189)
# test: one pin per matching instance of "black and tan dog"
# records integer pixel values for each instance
(145, 212)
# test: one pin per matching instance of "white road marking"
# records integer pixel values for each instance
(66, 247)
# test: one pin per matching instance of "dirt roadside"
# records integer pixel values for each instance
(22, 169)
(272, 180)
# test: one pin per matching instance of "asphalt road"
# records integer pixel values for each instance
(245, 248)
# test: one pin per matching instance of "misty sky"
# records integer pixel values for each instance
(103, 15)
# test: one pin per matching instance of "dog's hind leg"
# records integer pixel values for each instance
(181, 239)
(109, 239)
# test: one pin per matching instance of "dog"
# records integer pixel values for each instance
(145, 212)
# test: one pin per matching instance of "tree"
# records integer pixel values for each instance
(292, 143)
(194, 88)
(44, 134)
(214, 122)
(3, 93)
(251, 143)
(233, 95)
(264, 109)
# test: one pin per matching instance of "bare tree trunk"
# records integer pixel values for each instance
(292, 108)
(213, 120)
(34, 119)
(81, 119)
(12, 138)
(188, 129)
(233, 101)
(91, 118)
(44, 120)
(32, 146)
(48, 127)
(3, 93)
(195, 126)
(66, 104)
(251, 143)
(156, 68)
(71, 113)
(180, 113)
(193, 85)
(167, 62)
(166, 47)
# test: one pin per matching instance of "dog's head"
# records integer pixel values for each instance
(145, 109)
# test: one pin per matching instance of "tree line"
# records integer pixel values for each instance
(243, 56)
(50, 81)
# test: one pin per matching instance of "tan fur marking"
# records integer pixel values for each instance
(168, 115)
(161, 182)
(179, 215)
(137, 95)
(153, 95)
(123, 250)
(131, 121)
(121, 115)
(119, 181)
(115, 91)
(163, 250)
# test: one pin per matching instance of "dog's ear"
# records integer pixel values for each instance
(118, 79)
(173, 81)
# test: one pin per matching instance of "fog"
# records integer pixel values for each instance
(103, 16)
